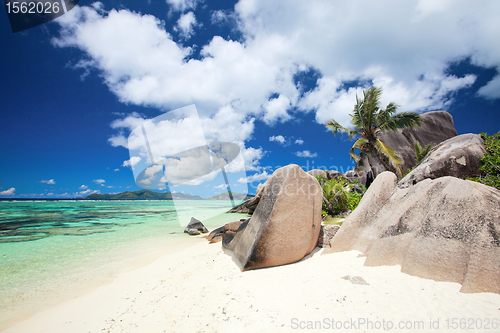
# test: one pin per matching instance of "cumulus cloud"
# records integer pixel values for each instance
(83, 187)
(255, 177)
(306, 153)
(183, 5)
(86, 192)
(99, 181)
(130, 162)
(220, 17)
(299, 141)
(407, 50)
(491, 90)
(278, 138)
(276, 109)
(10, 191)
(49, 182)
(185, 25)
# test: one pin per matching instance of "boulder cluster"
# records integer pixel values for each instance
(433, 222)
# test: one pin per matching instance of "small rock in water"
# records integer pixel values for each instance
(191, 231)
(196, 225)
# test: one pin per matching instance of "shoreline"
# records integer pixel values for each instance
(32, 302)
(197, 287)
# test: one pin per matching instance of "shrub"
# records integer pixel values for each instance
(490, 161)
(338, 195)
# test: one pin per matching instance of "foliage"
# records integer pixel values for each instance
(338, 195)
(354, 200)
(408, 171)
(368, 121)
(335, 221)
(490, 161)
(422, 152)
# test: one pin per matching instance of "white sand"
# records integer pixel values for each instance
(198, 288)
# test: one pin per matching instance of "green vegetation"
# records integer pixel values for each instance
(422, 152)
(335, 220)
(491, 161)
(368, 121)
(339, 195)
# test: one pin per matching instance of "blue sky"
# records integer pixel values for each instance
(264, 75)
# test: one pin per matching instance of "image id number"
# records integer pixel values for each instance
(33, 7)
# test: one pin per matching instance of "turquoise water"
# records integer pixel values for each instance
(51, 251)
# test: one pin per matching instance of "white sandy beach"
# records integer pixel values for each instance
(198, 288)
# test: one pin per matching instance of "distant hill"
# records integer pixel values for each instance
(142, 195)
(180, 195)
(151, 195)
(225, 196)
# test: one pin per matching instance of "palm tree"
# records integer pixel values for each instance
(369, 121)
(421, 152)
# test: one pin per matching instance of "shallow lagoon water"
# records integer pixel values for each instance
(51, 251)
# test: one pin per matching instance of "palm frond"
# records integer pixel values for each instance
(401, 120)
(359, 144)
(384, 116)
(421, 152)
(388, 151)
(373, 104)
(418, 149)
(357, 116)
(336, 128)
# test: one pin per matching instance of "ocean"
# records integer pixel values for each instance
(51, 251)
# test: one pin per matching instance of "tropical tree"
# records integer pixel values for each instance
(368, 122)
(339, 195)
(422, 152)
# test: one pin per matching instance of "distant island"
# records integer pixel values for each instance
(151, 195)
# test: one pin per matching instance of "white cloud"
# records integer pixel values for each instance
(306, 153)
(116, 170)
(220, 17)
(185, 25)
(86, 192)
(83, 187)
(99, 181)
(49, 182)
(407, 50)
(151, 173)
(299, 141)
(221, 186)
(201, 180)
(183, 5)
(278, 138)
(255, 177)
(276, 109)
(130, 162)
(492, 89)
(226, 125)
(10, 191)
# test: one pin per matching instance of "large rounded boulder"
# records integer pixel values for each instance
(286, 223)
(447, 229)
(436, 127)
(459, 157)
